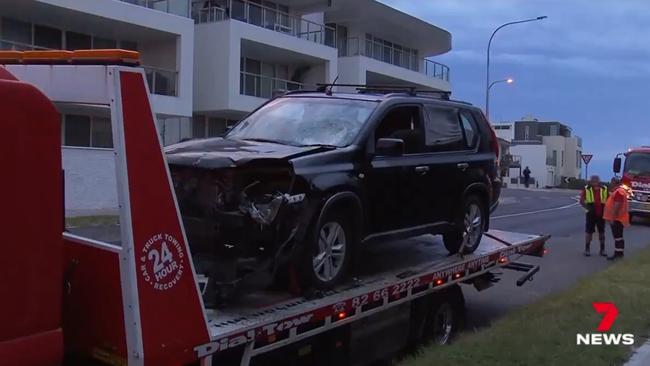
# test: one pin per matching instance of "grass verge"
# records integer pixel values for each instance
(544, 333)
(83, 221)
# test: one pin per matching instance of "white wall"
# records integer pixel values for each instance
(508, 134)
(568, 146)
(533, 156)
(89, 180)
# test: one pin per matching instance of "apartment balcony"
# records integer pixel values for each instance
(238, 65)
(261, 86)
(273, 19)
(177, 7)
(393, 56)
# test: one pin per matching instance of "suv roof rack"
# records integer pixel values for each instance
(388, 90)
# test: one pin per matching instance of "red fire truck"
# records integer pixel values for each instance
(68, 299)
(636, 175)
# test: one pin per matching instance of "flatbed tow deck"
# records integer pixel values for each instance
(139, 302)
(262, 323)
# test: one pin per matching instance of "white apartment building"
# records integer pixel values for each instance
(550, 150)
(210, 62)
(165, 40)
(245, 50)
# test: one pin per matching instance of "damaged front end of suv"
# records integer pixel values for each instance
(243, 210)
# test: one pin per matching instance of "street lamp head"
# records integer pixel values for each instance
(542, 17)
(510, 81)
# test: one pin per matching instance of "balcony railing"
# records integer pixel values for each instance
(265, 17)
(162, 81)
(177, 7)
(394, 56)
(261, 86)
(18, 46)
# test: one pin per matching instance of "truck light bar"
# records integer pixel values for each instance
(77, 57)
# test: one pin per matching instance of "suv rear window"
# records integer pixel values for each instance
(443, 131)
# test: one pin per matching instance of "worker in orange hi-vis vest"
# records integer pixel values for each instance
(616, 213)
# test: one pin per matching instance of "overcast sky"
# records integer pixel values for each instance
(587, 65)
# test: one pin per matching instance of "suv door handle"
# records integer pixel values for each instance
(422, 170)
(462, 166)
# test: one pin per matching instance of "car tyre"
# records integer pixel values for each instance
(470, 225)
(445, 318)
(329, 252)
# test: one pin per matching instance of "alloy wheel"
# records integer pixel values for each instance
(473, 222)
(327, 263)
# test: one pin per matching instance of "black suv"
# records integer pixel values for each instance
(309, 177)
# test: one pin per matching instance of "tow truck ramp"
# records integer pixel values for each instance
(264, 328)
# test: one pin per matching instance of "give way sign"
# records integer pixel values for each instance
(586, 158)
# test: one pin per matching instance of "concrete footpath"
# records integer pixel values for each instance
(641, 357)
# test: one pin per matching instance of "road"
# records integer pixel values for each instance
(545, 212)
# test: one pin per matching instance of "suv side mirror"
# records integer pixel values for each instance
(617, 165)
(389, 147)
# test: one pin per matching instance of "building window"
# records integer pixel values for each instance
(391, 53)
(103, 43)
(87, 131)
(562, 157)
(77, 41)
(203, 127)
(15, 34)
(554, 159)
(527, 133)
(46, 37)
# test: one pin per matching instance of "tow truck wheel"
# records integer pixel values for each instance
(469, 227)
(445, 317)
(331, 250)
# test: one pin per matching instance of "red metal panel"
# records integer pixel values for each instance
(31, 223)
(41, 349)
(171, 312)
(93, 316)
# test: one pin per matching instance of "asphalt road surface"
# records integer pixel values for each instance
(545, 212)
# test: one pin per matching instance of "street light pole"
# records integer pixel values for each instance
(487, 76)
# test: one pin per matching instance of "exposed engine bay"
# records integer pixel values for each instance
(239, 221)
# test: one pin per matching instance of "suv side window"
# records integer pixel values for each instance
(469, 129)
(405, 123)
(443, 131)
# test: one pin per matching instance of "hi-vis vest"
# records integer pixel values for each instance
(589, 195)
(623, 215)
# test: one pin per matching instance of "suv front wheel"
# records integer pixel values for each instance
(469, 227)
(330, 251)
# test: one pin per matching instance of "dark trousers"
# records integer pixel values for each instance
(617, 232)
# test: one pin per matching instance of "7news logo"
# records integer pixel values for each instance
(610, 313)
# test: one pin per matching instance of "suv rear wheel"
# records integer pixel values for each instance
(330, 251)
(469, 227)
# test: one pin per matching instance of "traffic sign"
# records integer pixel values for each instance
(586, 158)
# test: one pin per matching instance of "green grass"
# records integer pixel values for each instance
(83, 221)
(544, 333)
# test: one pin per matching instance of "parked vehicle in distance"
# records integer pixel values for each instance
(636, 175)
(309, 177)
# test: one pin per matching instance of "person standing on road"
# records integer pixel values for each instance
(593, 198)
(526, 177)
(616, 213)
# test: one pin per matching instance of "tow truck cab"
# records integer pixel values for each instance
(636, 175)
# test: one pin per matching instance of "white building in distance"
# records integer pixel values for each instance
(548, 148)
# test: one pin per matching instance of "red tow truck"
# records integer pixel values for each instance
(68, 299)
(636, 175)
